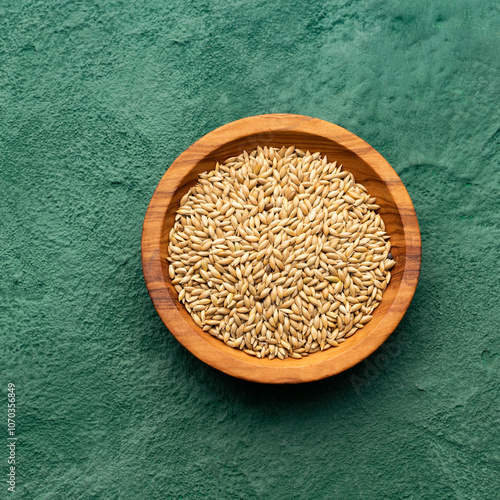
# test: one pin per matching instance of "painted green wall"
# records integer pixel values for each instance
(96, 101)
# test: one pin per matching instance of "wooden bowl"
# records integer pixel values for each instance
(368, 167)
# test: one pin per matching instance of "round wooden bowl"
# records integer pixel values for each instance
(368, 167)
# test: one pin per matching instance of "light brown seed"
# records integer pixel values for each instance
(279, 253)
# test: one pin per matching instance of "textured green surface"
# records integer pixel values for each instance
(96, 100)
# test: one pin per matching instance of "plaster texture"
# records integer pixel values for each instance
(96, 101)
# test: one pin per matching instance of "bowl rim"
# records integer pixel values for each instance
(152, 238)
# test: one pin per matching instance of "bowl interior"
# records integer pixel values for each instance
(363, 173)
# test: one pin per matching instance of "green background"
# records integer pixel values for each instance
(96, 101)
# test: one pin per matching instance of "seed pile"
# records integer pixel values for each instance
(279, 253)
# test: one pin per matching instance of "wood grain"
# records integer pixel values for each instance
(368, 167)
